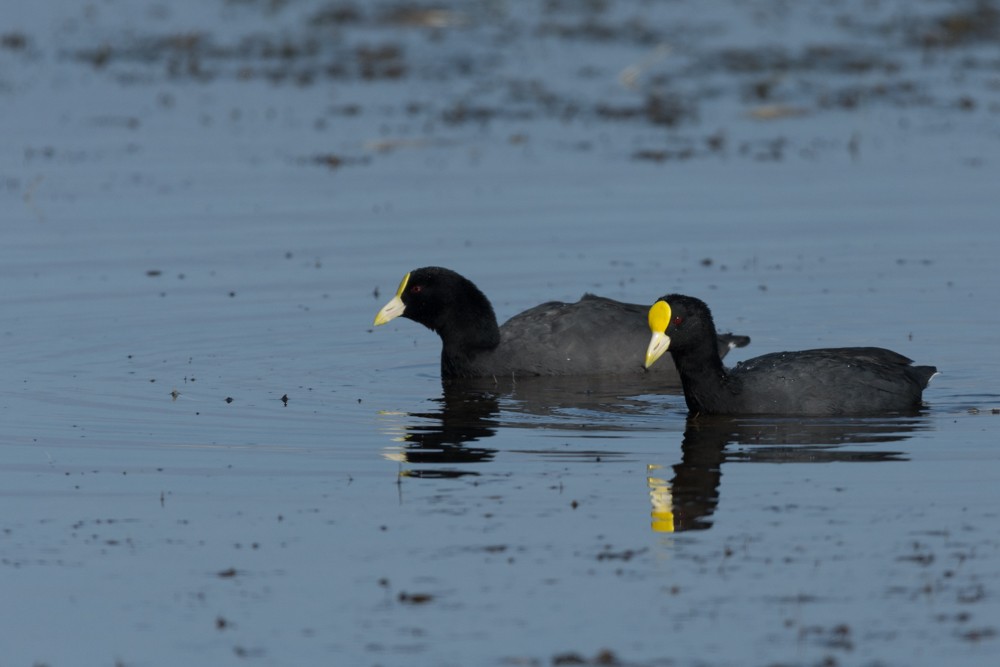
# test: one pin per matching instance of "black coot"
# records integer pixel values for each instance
(832, 381)
(594, 336)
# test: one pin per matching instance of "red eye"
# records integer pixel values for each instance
(677, 320)
(416, 289)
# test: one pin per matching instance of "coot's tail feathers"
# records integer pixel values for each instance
(925, 374)
(732, 341)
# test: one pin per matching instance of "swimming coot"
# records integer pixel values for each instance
(593, 336)
(832, 381)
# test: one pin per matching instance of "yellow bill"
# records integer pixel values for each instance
(395, 307)
(659, 342)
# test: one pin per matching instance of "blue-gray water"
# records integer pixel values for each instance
(210, 201)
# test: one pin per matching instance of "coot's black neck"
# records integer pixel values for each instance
(703, 376)
(468, 331)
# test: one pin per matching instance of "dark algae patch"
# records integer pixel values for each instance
(682, 79)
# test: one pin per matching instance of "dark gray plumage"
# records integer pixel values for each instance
(594, 336)
(831, 381)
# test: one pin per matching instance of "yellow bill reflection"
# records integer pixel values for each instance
(662, 501)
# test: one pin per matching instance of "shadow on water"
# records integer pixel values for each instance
(688, 500)
(581, 403)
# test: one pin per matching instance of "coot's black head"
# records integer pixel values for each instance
(443, 301)
(678, 323)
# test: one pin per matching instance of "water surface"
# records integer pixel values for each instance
(208, 456)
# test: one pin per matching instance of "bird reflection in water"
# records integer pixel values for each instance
(469, 411)
(443, 441)
(443, 436)
(688, 500)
